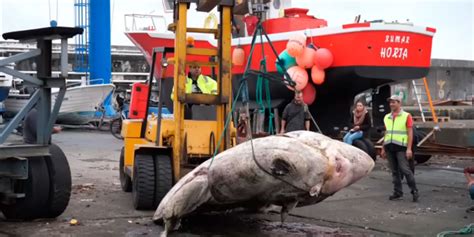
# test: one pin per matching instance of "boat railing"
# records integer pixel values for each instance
(399, 23)
(408, 23)
(145, 22)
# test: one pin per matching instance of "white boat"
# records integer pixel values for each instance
(5, 85)
(79, 105)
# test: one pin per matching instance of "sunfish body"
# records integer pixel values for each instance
(295, 169)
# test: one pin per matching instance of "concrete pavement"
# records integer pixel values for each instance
(363, 209)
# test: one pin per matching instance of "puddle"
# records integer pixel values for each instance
(98, 160)
(239, 225)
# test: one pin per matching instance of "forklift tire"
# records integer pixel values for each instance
(59, 181)
(370, 148)
(125, 180)
(143, 190)
(36, 190)
(163, 178)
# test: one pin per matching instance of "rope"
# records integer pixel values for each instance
(251, 143)
(271, 129)
(268, 172)
(259, 94)
(467, 230)
(261, 84)
(226, 123)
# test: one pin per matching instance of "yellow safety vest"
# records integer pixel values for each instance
(397, 132)
(206, 84)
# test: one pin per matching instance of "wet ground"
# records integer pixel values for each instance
(102, 209)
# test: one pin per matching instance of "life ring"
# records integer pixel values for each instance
(211, 19)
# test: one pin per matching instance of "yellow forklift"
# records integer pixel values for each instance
(158, 151)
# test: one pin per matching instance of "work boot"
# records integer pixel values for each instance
(416, 196)
(395, 196)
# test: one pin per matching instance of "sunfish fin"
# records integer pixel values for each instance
(285, 209)
(185, 197)
(315, 190)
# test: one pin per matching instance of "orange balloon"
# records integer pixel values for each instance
(238, 56)
(317, 75)
(190, 41)
(296, 45)
(306, 59)
(299, 76)
(309, 94)
(323, 58)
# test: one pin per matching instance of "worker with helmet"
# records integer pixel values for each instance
(198, 83)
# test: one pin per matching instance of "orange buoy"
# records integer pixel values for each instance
(296, 44)
(323, 58)
(309, 94)
(190, 41)
(317, 75)
(299, 76)
(306, 59)
(238, 56)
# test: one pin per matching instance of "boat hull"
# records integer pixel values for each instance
(365, 56)
(386, 48)
(79, 103)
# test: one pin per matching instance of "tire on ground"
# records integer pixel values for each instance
(36, 188)
(164, 177)
(370, 148)
(420, 159)
(116, 128)
(143, 189)
(125, 180)
(418, 135)
(59, 181)
(361, 145)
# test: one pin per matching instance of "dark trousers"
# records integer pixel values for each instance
(399, 166)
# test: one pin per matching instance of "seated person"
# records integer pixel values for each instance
(198, 83)
(361, 123)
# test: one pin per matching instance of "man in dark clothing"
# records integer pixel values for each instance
(398, 147)
(295, 115)
(30, 127)
(468, 171)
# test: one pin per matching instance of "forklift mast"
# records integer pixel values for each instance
(222, 100)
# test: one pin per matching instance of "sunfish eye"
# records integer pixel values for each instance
(280, 167)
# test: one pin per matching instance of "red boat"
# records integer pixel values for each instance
(366, 55)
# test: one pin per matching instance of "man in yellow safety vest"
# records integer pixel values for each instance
(398, 147)
(198, 83)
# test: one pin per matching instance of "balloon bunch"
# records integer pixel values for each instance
(298, 58)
